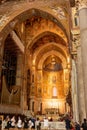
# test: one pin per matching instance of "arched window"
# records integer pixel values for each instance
(76, 20)
(54, 92)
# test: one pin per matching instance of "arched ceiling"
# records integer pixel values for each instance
(43, 22)
(48, 47)
(48, 38)
(20, 11)
(41, 61)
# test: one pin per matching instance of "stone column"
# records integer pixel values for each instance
(1, 61)
(19, 70)
(83, 33)
(0, 76)
(24, 84)
(80, 86)
(74, 90)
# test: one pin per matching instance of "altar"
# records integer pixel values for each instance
(52, 111)
(57, 125)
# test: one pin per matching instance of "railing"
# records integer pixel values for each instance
(54, 125)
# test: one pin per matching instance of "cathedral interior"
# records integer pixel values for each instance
(40, 57)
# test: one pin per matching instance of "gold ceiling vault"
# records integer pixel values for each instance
(24, 7)
(62, 49)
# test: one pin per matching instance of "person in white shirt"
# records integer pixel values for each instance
(46, 123)
(30, 124)
(19, 123)
(37, 124)
(4, 124)
(13, 121)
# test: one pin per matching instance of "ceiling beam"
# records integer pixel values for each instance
(17, 41)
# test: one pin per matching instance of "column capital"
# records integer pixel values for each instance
(80, 4)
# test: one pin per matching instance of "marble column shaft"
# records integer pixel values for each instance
(80, 87)
(74, 91)
(83, 33)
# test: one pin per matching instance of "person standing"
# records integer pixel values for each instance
(77, 126)
(67, 122)
(37, 124)
(25, 123)
(8, 123)
(19, 123)
(4, 124)
(46, 123)
(30, 124)
(13, 121)
(84, 125)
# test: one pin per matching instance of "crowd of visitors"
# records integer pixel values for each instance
(35, 123)
(18, 122)
(71, 125)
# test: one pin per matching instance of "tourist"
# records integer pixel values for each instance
(51, 119)
(77, 126)
(4, 124)
(8, 123)
(30, 124)
(46, 123)
(72, 125)
(33, 120)
(84, 125)
(38, 124)
(25, 123)
(19, 123)
(67, 122)
(13, 121)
